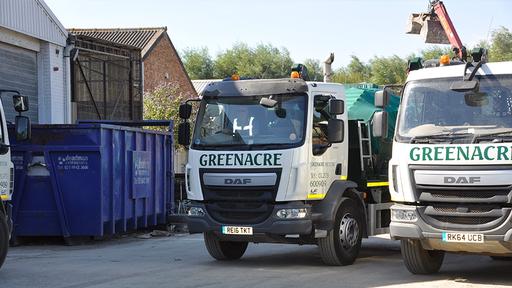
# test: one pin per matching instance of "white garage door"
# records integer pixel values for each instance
(18, 71)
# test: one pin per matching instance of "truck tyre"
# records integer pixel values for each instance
(4, 238)
(224, 250)
(419, 260)
(342, 244)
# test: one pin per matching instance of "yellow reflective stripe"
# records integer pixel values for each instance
(343, 177)
(316, 196)
(377, 184)
(4, 197)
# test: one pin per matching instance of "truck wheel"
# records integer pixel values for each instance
(4, 238)
(342, 244)
(419, 260)
(224, 250)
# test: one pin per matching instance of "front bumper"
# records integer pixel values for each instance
(497, 241)
(271, 226)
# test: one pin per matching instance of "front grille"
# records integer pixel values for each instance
(465, 220)
(240, 204)
(464, 207)
(469, 194)
(240, 212)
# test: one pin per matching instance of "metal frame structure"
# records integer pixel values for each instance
(106, 80)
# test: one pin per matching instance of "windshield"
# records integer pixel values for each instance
(429, 109)
(243, 122)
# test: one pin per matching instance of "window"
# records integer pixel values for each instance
(321, 118)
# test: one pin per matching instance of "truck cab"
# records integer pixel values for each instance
(451, 170)
(269, 163)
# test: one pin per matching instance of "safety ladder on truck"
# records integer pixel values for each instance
(375, 210)
(365, 145)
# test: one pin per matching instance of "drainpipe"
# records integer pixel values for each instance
(327, 68)
(67, 63)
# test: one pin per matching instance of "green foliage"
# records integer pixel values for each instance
(435, 52)
(358, 71)
(388, 70)
(198, 63)
(315, 70)
(263, 61)
(163, 104)
(501, 45)
(267, 61)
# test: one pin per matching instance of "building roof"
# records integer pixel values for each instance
(33, 18)
(141, 38)
(200, 85)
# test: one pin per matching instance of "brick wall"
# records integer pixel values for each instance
(162, 65)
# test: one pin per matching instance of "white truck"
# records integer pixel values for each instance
(451, 170)
(279, 161)
(22, 129)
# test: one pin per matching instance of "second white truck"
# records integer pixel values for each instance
(451, 171)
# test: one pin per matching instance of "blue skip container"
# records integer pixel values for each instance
(91, 180)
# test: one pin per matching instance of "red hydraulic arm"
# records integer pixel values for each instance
(440, 10)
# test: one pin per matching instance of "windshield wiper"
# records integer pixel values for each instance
(483, 135)
(445, 135)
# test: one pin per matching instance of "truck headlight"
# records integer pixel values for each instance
(196, 211)
(292, 213)
(400, 214)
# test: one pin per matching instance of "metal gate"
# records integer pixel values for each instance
(18, 71)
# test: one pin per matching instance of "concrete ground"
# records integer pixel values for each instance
(182, 261)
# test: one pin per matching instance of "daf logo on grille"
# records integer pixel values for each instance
(461, 180)
(237, 181)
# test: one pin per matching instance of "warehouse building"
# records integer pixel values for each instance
(33, 60)
(160, 60)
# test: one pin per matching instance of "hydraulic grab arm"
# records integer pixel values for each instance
(437, 28)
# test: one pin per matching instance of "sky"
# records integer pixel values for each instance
(308, 29)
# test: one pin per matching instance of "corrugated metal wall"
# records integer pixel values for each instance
(18, 71)
(34, 18)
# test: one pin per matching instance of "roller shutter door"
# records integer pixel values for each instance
(18, 71)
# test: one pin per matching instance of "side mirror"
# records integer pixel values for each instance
(335, 130)
(380, 124)
(20, 103)
(184, 133)
(381, 98)
(22, 127)
(185, 111)
(336, 107)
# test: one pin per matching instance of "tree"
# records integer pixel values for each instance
(388, 70)
(435, 52)
(163, 104)
(271, 62)
(340, 75)
(263, 61)
(315, 71)
(358, 71)
(501, 45)
(198, 63)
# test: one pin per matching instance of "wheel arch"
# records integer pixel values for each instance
(325, 209)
